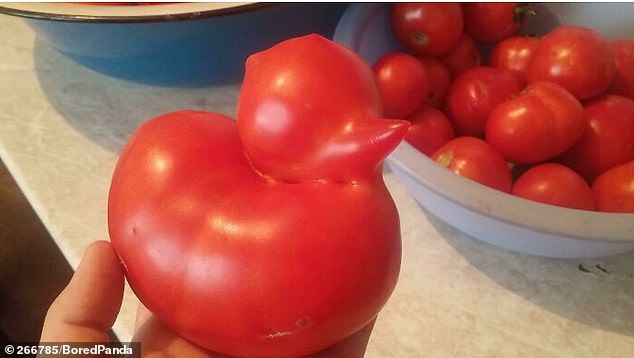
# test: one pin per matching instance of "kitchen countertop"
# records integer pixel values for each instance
(62, 127)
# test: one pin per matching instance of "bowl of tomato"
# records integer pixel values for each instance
(496, 196)
(171, 44)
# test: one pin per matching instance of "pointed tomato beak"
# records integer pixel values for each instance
(359, 149)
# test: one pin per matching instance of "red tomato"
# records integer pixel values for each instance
(292, 91)
(608, 139)
(463, 56)
(513, 54)
(614, 189)
(554, 184)
(494, 21)
(540, 123)
(403, 83)
(577, 58)
(430, 128)
(477, 160)
(623, 82)
(427, 28)
(439, 80)
(249, 259)
(474, 94)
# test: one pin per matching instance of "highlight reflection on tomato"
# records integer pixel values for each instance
(513, 54)
(477, 160)
(474, 94)
(608, 139)
(614, 189)
(577, 58)
(274, 236)
(543, 121)
(554, 184)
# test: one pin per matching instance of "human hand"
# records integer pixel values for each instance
(88, 307)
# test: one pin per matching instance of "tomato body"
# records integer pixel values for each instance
(578, 58)
(403, 83)
(474, 94)
(513, 54)
(492, 22)
(608, 139)
(623, 82)
(427, 28)
(463, 56)
(540, 123)
(554, 184)
(429, 129)
(250, 260)
(614, 189)
(439, 80)
(477, 160)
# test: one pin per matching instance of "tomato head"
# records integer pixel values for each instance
(324, 106)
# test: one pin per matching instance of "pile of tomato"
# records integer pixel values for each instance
(550, 118)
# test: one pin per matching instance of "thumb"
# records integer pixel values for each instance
(90, 303)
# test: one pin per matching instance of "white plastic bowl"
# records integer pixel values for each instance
(486, 214)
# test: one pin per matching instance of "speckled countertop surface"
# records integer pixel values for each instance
(62, 126)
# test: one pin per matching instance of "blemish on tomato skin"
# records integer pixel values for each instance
(304, 322)
(276, 335)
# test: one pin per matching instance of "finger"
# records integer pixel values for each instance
(159, 341)
(351, 347)
(142, 316)
(88, 306)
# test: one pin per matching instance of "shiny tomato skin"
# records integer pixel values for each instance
(543, 121)
(264, 263)
(513, 54)
(474, 94)
(429, 129)
(403, 83)
(623, 82)
(463, 56)
(477, 160)
(608, 139)
(494, 21)
(578, 58)
(614, 189)
(439, 80)
(555, 184)
(427, 28)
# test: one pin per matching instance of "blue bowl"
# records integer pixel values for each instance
(184, 44)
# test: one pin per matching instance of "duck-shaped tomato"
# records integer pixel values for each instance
(272, 235)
